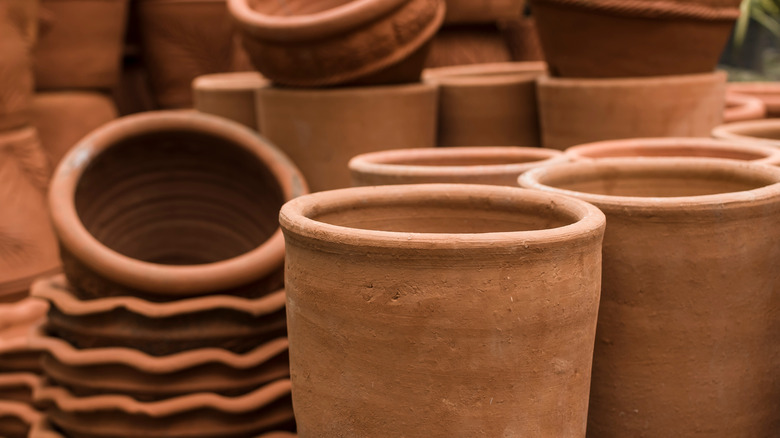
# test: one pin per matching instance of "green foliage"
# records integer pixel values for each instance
(765, 12)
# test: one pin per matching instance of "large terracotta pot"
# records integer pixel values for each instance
(675, 147)
(16, 79)
(166, 205)
(430, 311)
(461, 45)
(576, 111)
(307, 44)
(81, 43)
(632, 38)
(488, 104)
(482, 11)
(477, 165)
(229, 95)
(687, 337)
(766, 132)
(184, 39)
(740, 107)
(320, 130)
(28, 247)
(768, 92)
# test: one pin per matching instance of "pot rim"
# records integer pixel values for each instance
(229, 81)
(586, 220)
(20, 379)
(352, 92)
(736, 131)
(584, 151)
(743, 107)
(492, 73)
(24, 312)
(723, 201)
(22, 411)
(751, 88)
(546, 80)
(153, 277)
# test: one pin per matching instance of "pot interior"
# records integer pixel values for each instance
(672, 151)
(179, 198)
(288, 8)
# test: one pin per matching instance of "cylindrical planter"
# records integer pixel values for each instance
(308, 44)
(477, 165)
(577, 111)
(687, 335)
(473, 307)
(632, 38)
(741, 107)
(321, 130)
(460, 45)
(16, 78)
(166, 205)
(675, 147)
(488, 104)
(229, 95)
(80, 44)
(768, 92)
(482, 11)
(765, 132)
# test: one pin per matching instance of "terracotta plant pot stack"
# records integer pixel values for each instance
(169, 319)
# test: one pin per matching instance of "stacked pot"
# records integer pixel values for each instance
(169, 319)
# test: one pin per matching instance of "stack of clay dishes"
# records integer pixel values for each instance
(741, 107)
(169, 320)
(467, 165)
(766, 131)
(229, 95)
(768, 92)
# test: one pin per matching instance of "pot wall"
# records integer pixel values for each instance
(229, 95)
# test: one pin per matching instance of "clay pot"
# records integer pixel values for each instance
(523, 39)
(321, 130)
(80, 44)
(16, 356)
(16, 80)
(18, 387)
(229, 95)
(184, 39)
(482, 11)
(633, 38)
(309, 44)
(17, 318)
(231, 323)
(741, 107)
(488, 104)
(688, 297)
(63, 118)
(44, 429)
(766, 132)
(194, 415)
(768, 92)
(166, 205)
(16, 419)
(382, 311)
(461, 45)
(675, 147)
(577, 111)
(28, 247)
(477, 165)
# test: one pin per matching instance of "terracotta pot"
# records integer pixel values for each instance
(184, 39)
(382, 312)
(523, 39)
(231, 323)
(28, 247)
(577, 111)
(477, 165)
(16, 356)
(308, 44)
(18, 387)
(768, 92)
(488, 104)
(460, 45)
(741, 107)
(320, 130)
(688, 297)
(229, 95)
(44, 429)
(166, 205)
(482, 11)
(675, 147)
(765, 132)
(194, 415)
(80, 44)
(16, 80)
(16, 318)
(63, 118)
(632, 38)
(16, 419)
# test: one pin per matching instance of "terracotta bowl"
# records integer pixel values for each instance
(477, 165)
(768, 92)
(675, 147)
(741, 107)
(166, 205)
(765, 132)
(307, 44)
(16, 419)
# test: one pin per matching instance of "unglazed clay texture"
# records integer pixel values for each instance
(229, 95)
(768, 92)
(741, 107)
(766, 132)
(16, 80)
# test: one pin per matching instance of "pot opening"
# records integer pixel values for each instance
(461, 160)
(178, 198)
(289, 8)
(672, 151)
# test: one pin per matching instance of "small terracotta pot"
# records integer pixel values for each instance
(477, 165)
(482, 11)
(63, 118)
(321, 130)
(16, 79)
(689, 294)
(382, 311)
(28, 247)
(461, 45)
(18, 387)
(229, 95)
(184, 39)
(768, 92)
(740, 107)
(16, 419)
(633, 38)
(675, 147)
(308, 44)
(488, 104)
(194, 415)
(222, 321)
(166, 205)
(80, 44)
(577, 111)
(766, 132)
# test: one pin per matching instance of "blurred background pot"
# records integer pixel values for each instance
(741, 107)
(765, 132)
(768, 92)
(229, 95)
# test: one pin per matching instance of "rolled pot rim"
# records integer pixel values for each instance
(17, 344)
(485, 74)
(26, 311)
(20, 379)
(381, 163)
(724, 201)
(740, 107)
(230, 81)
(22, 411)
(735, 131)
(581, 152)
(360, 91)
(547, 80)
(153, 277)
(295, 218)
